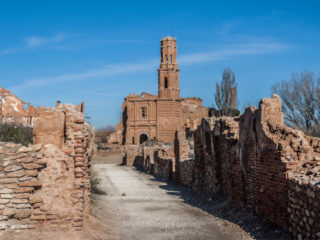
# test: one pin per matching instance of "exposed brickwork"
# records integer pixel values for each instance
(46, 183)
(158, 117)
(253, 158)
(256, 161)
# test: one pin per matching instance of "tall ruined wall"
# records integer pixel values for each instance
(252, 158)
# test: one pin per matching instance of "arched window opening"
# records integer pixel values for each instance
(166, 59)
(143, 138)
(165, 82)
(171, 59)
(143, 112)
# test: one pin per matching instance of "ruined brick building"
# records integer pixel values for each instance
(147, 116)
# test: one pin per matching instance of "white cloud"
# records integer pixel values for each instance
(112, 69)
(36, 41)
(187, 59)
(9, 51)
(234, 50)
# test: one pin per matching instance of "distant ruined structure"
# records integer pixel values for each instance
(147, 116)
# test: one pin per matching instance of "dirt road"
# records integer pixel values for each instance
(138, 207)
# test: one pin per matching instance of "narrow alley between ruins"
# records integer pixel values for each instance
(136, 206)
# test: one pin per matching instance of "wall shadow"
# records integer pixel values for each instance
(223, 208)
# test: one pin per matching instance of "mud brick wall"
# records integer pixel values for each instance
(206, 166)
(251, 158)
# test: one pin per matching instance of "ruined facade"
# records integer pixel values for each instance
(147, 116)
(254, 160)
(47, 183)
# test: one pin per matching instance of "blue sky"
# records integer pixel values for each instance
(100, 51)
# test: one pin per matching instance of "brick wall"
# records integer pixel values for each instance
(256, 161)
(251, 159)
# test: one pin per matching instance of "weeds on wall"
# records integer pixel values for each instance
(16, 133)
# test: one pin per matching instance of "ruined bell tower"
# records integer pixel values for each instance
(168, 72)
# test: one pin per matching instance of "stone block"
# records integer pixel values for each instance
(22, 195)
(20, 173)
(30, 184)
(8, 212)
(5, 190)
(31, 166)
(19, 200)
(38, 217)
(12, 168)
(32, 173)
(24, 190)
(8, 196)
(8, 180)
(4, 201)
(25, 160)
(22, 213)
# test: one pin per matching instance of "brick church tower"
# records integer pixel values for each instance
(168, 73)
(147, 116)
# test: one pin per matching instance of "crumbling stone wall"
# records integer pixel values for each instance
(304, 197)
(133, 156)
(49, 182)
(303, 209)
(36, 186)
(152, 157)
(42, 184)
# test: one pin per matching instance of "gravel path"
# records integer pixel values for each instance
(150, 210)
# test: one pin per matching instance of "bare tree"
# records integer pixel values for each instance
(301, 101)
(226, 93)
(103, 133)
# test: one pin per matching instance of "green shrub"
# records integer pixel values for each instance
(16, 133)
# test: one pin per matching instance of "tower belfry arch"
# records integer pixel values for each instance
(168, 72)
